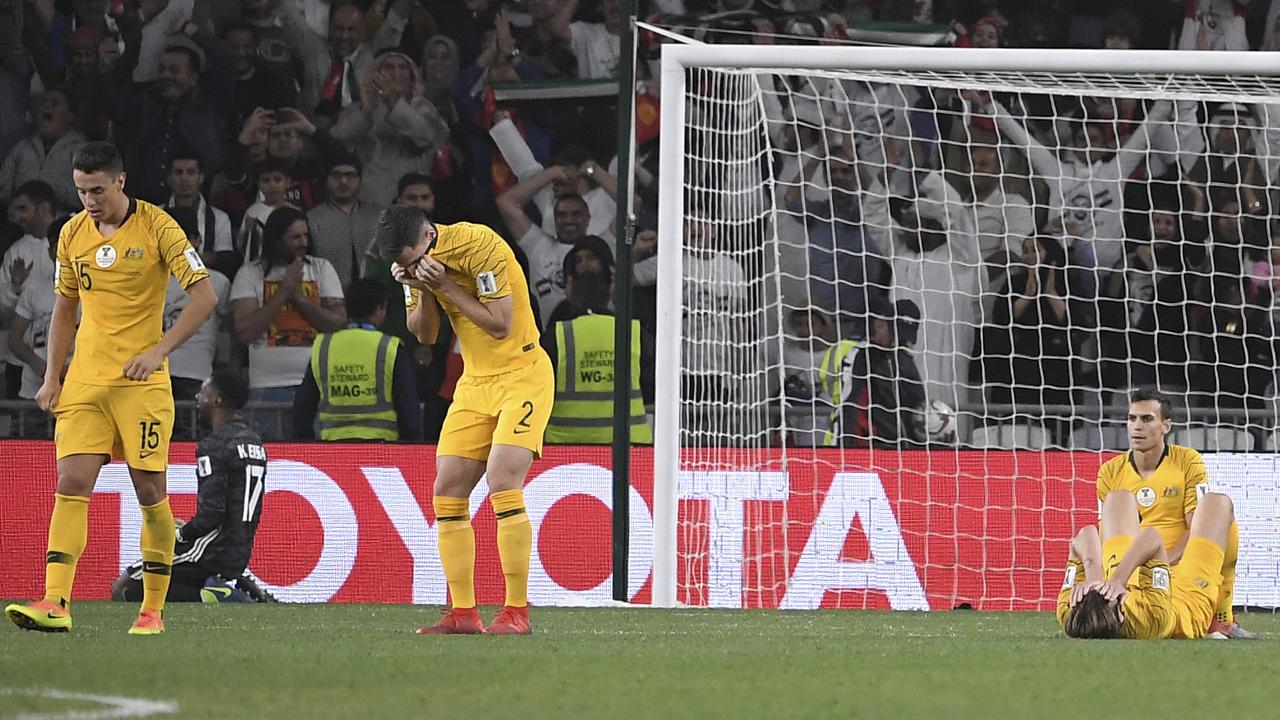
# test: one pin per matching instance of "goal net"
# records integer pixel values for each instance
(905, 295)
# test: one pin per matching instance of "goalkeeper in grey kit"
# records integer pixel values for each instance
(212, 549)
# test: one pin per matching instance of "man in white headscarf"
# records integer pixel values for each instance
(394, 128)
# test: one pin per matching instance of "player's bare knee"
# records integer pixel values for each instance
(76, 484)
(456, 476)
(508, 466)
(1120, 498)
(1087, 533)
(1217, 503)
(452, 486)
(150, 487)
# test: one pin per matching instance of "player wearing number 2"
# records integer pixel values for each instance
(500, 408)
(114, 260)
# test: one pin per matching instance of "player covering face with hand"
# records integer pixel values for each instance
(501, 406)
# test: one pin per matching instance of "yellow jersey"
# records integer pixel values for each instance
(481, 262)
(1148, 608)
(121, 283)
(1167, 497)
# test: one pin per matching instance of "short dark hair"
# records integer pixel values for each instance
(364, 297)
(572, 197)
(238, 26)
(1145, 394)
(185, 154)
(412, 178)
(275, 164)
(38, 192)
(399, 227)
(232, 384)
(195, 63)
(98, 156)
(339, 159)
(1093, 618)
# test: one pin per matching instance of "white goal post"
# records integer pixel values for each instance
(701, 452)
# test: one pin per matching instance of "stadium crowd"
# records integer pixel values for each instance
(276, 131)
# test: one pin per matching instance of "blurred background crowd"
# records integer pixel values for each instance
(1128, 242)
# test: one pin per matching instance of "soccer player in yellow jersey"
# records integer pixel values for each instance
(1167, 481)
(500, 408)
(1120, 584)
(114, 260)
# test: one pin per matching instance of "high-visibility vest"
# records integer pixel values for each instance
(583, 409)
(830, 382)
(353, 369)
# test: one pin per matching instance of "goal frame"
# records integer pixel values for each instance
(676, 59)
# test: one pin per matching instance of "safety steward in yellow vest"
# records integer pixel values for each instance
(582, 350)
(873, 385)
(359, 382)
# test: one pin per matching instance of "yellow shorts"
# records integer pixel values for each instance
(508, 409)
(1197, 579)
(128, 422)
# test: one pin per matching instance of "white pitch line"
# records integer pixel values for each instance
(116, 707)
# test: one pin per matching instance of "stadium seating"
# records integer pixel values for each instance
(1108, 436)
(1010, 436)
(1214, 439)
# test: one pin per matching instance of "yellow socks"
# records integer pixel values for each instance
(457, 548)
(68, 531)
(515, 542)
(1223, 613)
(157, 554)
(1113, 549)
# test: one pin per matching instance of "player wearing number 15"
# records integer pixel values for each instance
(500, 408)
(114, 260)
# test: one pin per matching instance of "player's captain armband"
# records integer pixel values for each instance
(193, 259)
(1160, 578)
(1070, 579)
(486, 283)
(203, 466)
(1202, 489)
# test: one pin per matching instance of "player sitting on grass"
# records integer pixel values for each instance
(1167, 480)
(1120, 585)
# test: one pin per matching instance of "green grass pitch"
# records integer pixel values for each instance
(364, 661)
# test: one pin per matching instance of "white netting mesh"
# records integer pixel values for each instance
(1062, 238)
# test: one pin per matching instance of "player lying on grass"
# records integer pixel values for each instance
(1119, 584)
(1167, 481)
